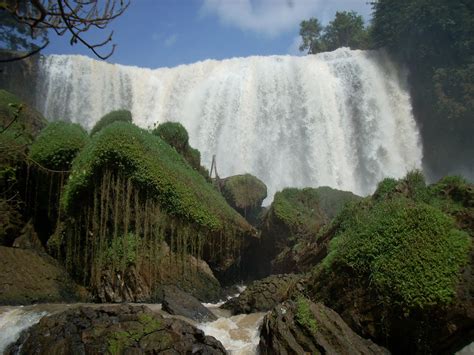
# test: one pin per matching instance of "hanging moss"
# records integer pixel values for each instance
(111, 117)
(155, 168)
(244, 191)
(58, 144)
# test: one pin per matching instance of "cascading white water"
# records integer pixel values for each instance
(341, 119)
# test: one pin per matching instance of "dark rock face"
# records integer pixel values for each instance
(28, 277)
(29, 239)
(136, 285)
(300, 327)
(263, 295)
(120, 329)
(180, 303)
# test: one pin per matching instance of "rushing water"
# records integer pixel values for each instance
(238, 334)
(341, 119)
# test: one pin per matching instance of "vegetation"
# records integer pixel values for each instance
(436, 41)
(114, 116)
(244, 191)
(346, 30)
(304, 316)
(299, 210)
(26, 20)
(58, 144)
(411, 249)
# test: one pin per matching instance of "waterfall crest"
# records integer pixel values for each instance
(341, 119)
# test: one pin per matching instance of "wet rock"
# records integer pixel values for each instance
(263, 295)
(300, 327)
(121, 329)
(28, 277)
(177, 302)
(29, 239)
(139, 284)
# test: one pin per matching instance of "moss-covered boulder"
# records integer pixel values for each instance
(177, 136)
(304, 327)
(111, 117)
(58, 144)
(129, 191)
(245, 193)
(290, 224)
(398, 267)
(120, 329)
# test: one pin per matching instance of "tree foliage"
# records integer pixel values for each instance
(435, 39)
(29, 19)
(346, 30)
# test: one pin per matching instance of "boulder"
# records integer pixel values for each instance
(180, 303)
(245, 193)
(301, 327)
(139, 284)
(29, 239)
(399, 266)
(263, 295)
(121, 329)
(28, 277)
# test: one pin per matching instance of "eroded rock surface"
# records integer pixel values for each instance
(263, 295)
(180, 303)
(117, 329)
(300, 327)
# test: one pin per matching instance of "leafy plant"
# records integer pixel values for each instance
(111, 117)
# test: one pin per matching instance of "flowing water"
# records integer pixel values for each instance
(238, 334)
(341, 119)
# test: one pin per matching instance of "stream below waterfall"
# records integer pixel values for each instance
(238, 334)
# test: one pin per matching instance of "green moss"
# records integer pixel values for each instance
(122, 251)
(58, 144)
(299, 210)
(304, 316)
(155, 168)
(111, 117)
(412, 252)
(118, 342)
(244, 191)
(174, 134)
(149, 323)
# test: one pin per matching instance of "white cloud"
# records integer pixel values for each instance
(272, 17)
(170, 40)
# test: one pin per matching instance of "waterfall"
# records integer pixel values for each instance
(341, 119)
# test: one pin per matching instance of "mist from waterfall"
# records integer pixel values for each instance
(341, 119)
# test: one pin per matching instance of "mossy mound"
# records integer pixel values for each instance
(177, 136)
(153, 167)
(111, 117)
(403, 250)
(245, 193)
(174, 134)
(58, 144)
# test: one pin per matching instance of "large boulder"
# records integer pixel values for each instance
(263, 295)
(180, 303)
(301, 327)
(292, 222)
(120, 329)
(245, 193)
(399, 265)
(28, 277)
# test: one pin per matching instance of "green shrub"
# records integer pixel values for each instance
(174, 134)
(304, 316)
(385, 188)
(410, 251)
(58, 144)
(155, 168)
(114, 116)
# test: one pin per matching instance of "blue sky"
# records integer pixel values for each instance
(158, 33)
